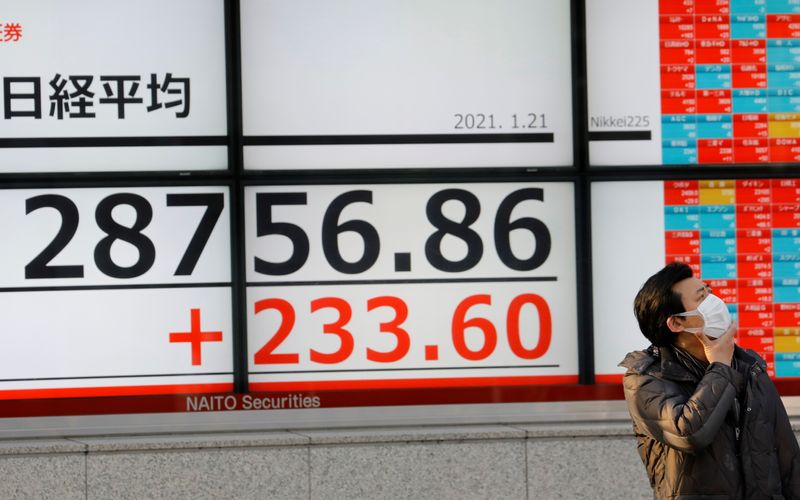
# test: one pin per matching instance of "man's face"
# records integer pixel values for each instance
(692, 291)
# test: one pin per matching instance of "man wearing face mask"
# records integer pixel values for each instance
(707, 418)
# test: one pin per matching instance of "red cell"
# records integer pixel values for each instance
(727, 293)
(753, 190)
(681, 184)
(746, 76)
(787, 315)
(751, 155)
(683, 242)
(753, 216)
(749, 296)
(676, 28)
(749, 51)
(678, 102)
(681, 197)
(785, 191)
(753, 233)
(686, 259)
(754, 332)
(715, 151)
(713, 51)
(712, 6)
(716, 284)
(762, 344)
(784, 150)
(713, 101)
(677, 52)
(756, 319)
(786, 215)
(756, 284)
(676, 6)
(751, 118)
(681, 193)
(750, 244)
(758, 128)
(712, 27)
(676, 76)
(783, 26)
(754, 269)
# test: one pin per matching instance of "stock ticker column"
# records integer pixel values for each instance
(743, 238)
(730, 81)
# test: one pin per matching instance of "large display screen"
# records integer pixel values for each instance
(410, 285)
(693, 82)
(406, 84)
(115, 291)
(742, 237)
(93, 87)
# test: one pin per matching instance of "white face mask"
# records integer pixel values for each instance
(715, 316)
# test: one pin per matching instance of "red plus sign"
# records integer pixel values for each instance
(196, 337)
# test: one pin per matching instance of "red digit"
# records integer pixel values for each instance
(335, 328)
(545, 326)
(265, 355)
(392, 327)
(486, 326)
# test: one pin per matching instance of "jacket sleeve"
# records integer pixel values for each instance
(662, 412)
(788, 451)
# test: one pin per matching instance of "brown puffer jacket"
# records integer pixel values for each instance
(687, 428)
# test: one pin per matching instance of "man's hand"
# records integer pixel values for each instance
(721, 348)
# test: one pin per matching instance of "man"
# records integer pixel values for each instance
(708, 420)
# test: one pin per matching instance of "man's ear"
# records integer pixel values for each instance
(673, 325)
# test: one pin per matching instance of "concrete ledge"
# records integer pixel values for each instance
(192, 441)
(567, 459)
(40, 446)
(413, 434)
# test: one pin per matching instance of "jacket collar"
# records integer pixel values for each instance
(662, 357)
(671, 368)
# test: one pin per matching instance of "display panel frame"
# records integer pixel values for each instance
(591, 398)
(577, 89)
(787, 386)
(228, 140)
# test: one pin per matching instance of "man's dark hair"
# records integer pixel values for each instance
(656, 302)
